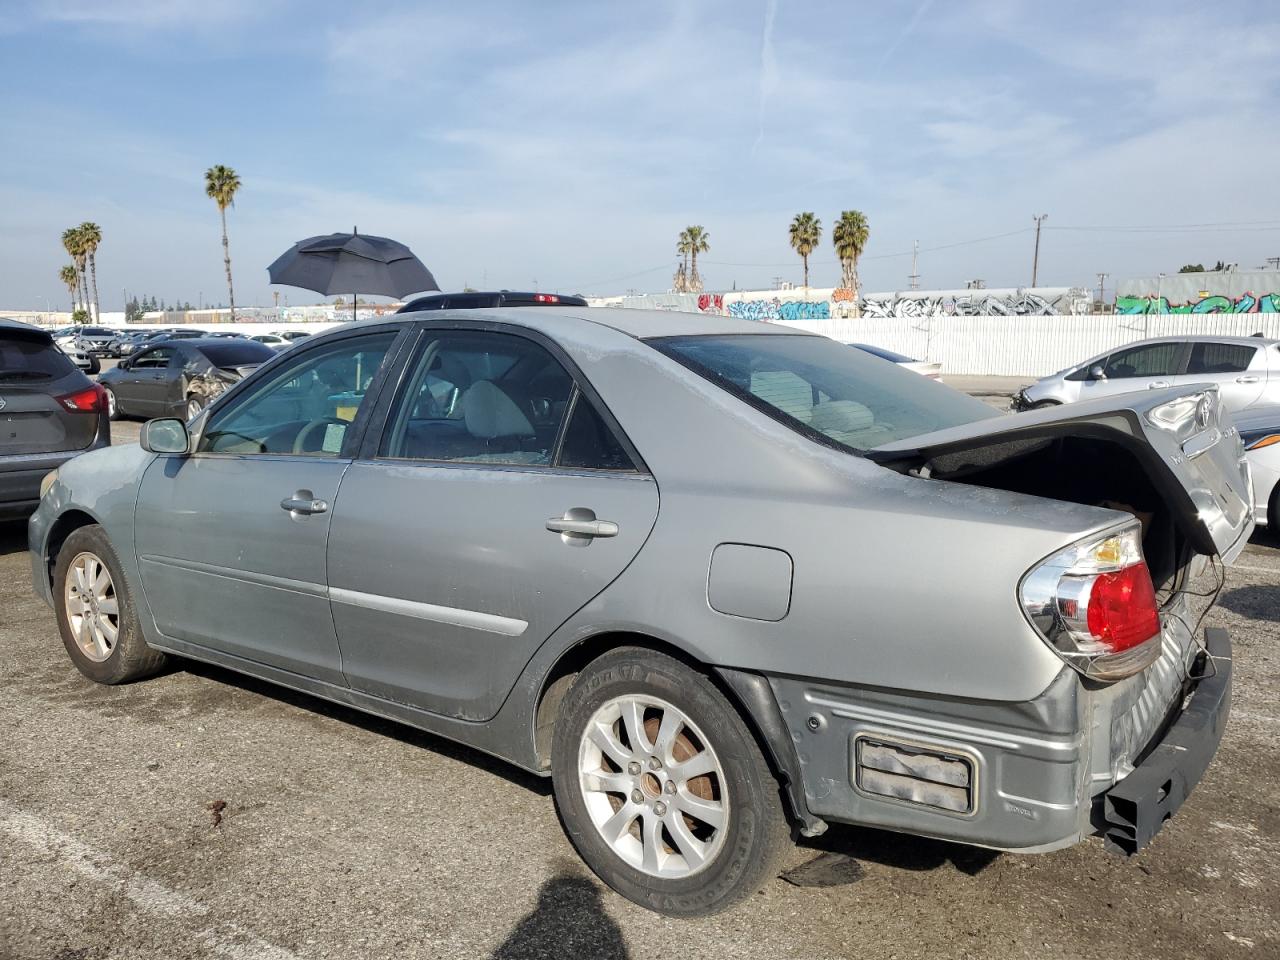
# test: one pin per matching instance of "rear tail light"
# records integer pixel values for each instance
(545, 298)
(92, 399)
(1095, 604)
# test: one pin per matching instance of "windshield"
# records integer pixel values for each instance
(826, 391)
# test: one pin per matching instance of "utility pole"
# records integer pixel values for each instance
(1273, 262)
(915, 273)
(777, 283)
(1102, 279)
(1035, 261)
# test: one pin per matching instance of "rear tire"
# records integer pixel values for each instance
(96, 614)
(670, 837)
(113, 405)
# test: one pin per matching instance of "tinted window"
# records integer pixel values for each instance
(233, 354)
(31, 359)
(589, 443)
(306, 407)
(480, 398)
(152, 359)
(1151, 360)
(1220, 357)
(472, 301)
(97, 332)
(823, 389)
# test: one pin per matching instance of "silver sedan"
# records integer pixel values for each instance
(675, 563)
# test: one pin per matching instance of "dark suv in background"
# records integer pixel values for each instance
(49, 413)
(476, 300)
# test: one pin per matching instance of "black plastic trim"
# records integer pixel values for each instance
(1134, 810)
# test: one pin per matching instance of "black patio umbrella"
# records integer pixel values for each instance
(342, 263)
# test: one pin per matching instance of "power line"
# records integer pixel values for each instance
(629, 276)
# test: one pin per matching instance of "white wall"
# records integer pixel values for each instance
(1027, 346)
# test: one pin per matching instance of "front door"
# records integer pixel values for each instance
(1148, 366)
(497, 502)
(140, 390)
(231, 539)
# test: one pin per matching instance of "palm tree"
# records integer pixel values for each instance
(806, 233)
(91, 234)
(698, 241)
(221, 184)
(73, 243)
(681, 282)
(71, 278)
(850, 237)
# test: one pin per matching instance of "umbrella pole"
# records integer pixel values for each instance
(353, 307)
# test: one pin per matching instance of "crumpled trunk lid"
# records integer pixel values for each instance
(1181, 435)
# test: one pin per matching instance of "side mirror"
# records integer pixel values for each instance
(168, 435)
(1097, 373)
(124, 363)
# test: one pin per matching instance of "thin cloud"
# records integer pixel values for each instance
(906, 32)
(768, 69)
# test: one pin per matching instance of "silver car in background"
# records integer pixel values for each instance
(674, 563)
(1246, 371)
(1260, 432)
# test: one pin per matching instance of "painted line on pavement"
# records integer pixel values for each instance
(226, 940)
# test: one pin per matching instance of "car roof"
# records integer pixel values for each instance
(559, 321)
(1201, 338)
(9, 325)
(1265, 417)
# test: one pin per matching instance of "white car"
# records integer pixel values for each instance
(1260, 433)
(923, 367)
(1245, 369)
(272, 340)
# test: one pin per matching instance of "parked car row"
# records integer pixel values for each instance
(454, 521)
(85, 344)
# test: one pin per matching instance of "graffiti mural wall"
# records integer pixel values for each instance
(1256, 291)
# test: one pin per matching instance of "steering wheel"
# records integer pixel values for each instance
(300, 441)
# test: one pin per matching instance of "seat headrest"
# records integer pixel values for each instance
(489, 413)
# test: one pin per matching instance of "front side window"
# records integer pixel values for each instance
(480, 397)
(153, 359)
(824, 389)
(1150, 360)
(1220, 358)
(306, 407)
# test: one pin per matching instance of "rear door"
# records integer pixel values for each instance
(1146, 366)
(1238, 369)
(498, 500)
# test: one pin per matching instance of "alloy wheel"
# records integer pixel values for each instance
(93, 609)
(653, 786)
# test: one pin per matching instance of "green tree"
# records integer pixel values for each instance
(850, 236)
(71, 278)
(1191, 268)
(91, 236)
(73, 243)
(806, 234)
(696, 240)
(220, 185)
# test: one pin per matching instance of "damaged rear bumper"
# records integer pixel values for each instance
(1134, 810)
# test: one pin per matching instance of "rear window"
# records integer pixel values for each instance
(1220, 358)
(97, 332)
(824, 390)
(22, 358)
(232, 354)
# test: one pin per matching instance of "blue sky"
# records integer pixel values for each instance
(568, 143)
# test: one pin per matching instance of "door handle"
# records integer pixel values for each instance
(304, 504)
(1247, 379)
(1157, 384)
(580, 525)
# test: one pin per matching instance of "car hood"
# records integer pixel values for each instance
(1181, 434)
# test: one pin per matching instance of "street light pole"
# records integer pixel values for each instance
(1035, 260)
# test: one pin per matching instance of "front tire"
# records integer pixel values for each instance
(662, 788)
(96, 614)
(1045, 404)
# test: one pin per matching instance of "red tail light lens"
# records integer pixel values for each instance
(1122, 608)
(1095, 604)
(546, 298)
(92, 399)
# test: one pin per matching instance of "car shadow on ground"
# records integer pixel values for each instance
(13, 537)
(843, 846)
(367, 721)
(1257, 601)
(569, 921)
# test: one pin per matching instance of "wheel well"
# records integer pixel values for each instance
(63, 527)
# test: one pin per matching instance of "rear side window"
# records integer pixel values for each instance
(589, 443)
(23, 358)
(1220, 358)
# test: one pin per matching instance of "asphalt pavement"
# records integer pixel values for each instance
(204, 814)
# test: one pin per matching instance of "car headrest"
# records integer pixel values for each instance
(489, 413)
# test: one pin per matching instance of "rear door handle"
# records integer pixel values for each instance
(1157, 384)
(303, 504)
(1247, 379)
(581, 524)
